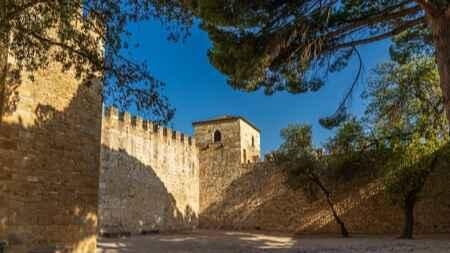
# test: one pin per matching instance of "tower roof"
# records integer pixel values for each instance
(224, 118)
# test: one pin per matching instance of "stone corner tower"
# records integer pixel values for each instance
(224, 144)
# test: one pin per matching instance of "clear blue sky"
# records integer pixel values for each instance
(198, 91)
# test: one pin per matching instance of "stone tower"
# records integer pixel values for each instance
(225, 144)
(49, 163)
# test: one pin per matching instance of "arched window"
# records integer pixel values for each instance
(253, 141)
(217, 136)
(245, 155)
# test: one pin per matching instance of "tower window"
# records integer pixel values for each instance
(217, 136)
(253, 141)
(245, 155)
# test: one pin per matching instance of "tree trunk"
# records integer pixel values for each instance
(3, 74)
(318, 182)
(408, 224)
(4, 42)
(440, 25)
(344, 231)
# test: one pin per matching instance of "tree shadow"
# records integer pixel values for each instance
(49, 160)
(10, 94)
(199, 241)
(205, 241)
(260, 200)
(134, 200)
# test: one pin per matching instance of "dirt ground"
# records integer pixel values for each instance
(248, 242)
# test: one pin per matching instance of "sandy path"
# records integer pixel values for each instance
(246, 242)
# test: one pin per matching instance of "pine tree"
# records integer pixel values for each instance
(293, 45)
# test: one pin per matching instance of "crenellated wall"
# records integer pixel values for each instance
(154, 179)
(148, 177)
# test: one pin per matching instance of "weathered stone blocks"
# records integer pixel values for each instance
(49, 163)
(149, 177)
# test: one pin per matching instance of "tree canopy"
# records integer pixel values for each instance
(294, 45)
(349, 137)
(402, 142)
(73, 33)
(405, 102)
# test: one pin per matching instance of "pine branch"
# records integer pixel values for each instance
(397, 30)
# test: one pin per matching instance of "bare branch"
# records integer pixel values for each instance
(384, 16)
(397, 30)
(429, 8)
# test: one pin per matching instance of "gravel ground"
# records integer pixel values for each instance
(247, 242)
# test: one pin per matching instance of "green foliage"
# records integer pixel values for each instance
(294, 45)
(297, 140)
(299, 158)
(410, 44)
(349, 137)
(73, 33)
(345, 157)
(408, 137)
(405, 102)
(409, 170)
(336, 119)
(360, 165)
(307, 168)
(407, 124)
(406, 114)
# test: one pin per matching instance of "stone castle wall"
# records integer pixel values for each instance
(149, 177)
(250, 143)
(49, 160)
(53, 140)
(260, 199)
(217, 161)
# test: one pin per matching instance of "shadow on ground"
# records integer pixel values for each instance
(205, 241)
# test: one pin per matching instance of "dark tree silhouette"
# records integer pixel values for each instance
(293, 45)
(88, 37)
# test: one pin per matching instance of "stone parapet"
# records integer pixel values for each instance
(148, 177)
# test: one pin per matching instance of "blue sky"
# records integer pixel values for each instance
(198, 91)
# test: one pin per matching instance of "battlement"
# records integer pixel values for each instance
(120, 119)
(162, 166)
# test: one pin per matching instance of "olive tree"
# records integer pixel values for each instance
(307, 170)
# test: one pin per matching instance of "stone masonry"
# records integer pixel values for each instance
(221, 158)
(145, 187)
(260, 199)
(61, 162)
(49, 160)
(149, 177)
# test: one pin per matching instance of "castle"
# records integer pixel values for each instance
(153, 178)
(70, 169)
(156, 179)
